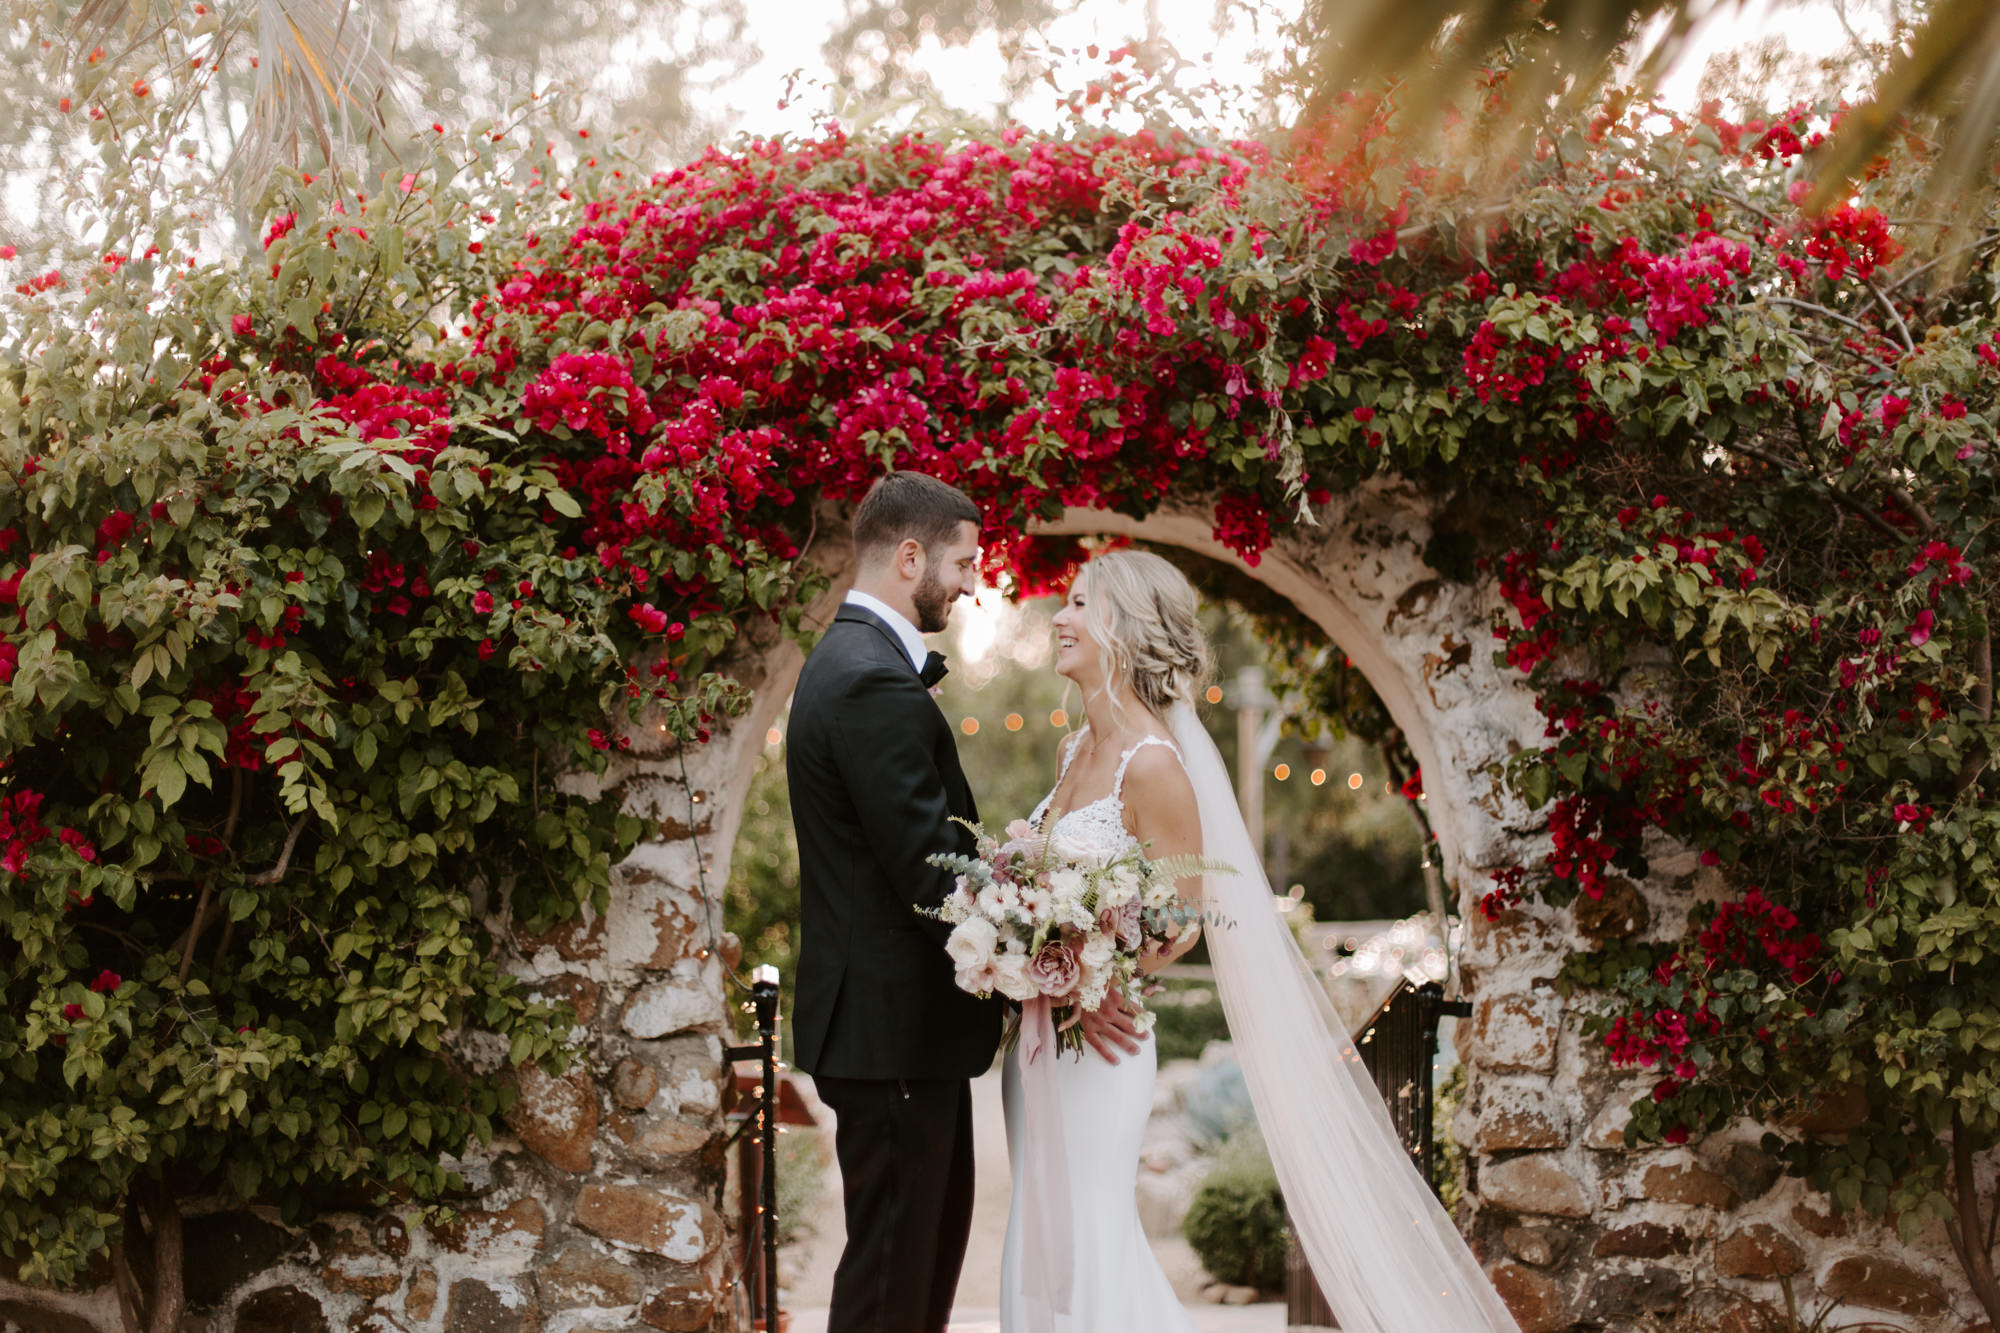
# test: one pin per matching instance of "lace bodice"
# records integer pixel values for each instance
(1098, 824)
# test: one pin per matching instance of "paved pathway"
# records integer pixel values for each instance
(977, 1307)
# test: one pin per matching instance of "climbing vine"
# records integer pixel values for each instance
(326, 566)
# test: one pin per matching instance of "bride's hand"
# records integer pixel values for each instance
(1111, 1028)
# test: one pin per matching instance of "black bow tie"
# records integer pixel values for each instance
(932, 671)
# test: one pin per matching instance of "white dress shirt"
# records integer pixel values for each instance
(913, 641)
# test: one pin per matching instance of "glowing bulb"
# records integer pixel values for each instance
(1014, 721)
(771, 737)
(1214, 694)
(970, 726)
(1281, 772)
(1059, 718)
(1354, 782)
(1319, 777)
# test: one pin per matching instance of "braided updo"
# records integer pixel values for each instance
(1145, 617)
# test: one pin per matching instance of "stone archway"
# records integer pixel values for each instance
(603, 1207)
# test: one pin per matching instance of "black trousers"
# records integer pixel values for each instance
(905, 1150)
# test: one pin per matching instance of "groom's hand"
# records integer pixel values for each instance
(1111, 1028)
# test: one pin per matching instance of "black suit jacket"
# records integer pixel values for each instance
(875, 781)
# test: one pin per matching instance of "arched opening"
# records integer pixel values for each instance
(1009, 710)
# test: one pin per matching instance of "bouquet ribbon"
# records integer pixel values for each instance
(1048, 1254)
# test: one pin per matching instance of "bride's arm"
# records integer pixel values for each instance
(1161, 812)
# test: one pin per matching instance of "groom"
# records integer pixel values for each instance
(888, 1037)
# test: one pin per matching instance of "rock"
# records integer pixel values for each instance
(580, 1275)
(224, 1250)
(392, 1237)
(1620, 913)
(666, 1007)
(1535, 1301)
(1516, 1033)
(556, 1119)
(637, 1218)
(1642, 1240)
(668, 1142)
(1538, 1184)
(280, 1310)
(34, 1319)
(1758, 1251)
(1652, 1291)
(577, 940)
(1518, 1119)
(356, 1268)
(517, 1227)
(579, 993)
(1880, 1284)
(370, 1320)
(1686, 1182)
(1717, 1310)
(1826, 1225)
(480, 1307)
(680, 1309)
(1750, 1171)
(422, 1295)
(634, 1084)
(1536, 1244)
(691, 1085)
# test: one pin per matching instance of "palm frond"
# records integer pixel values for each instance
(321, 73)
(325, 79)
(1949, 72)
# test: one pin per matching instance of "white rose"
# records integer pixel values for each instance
(976, 980)
(1067, 884)
(1098, 953)
(1070, 851)
(1010, 977)
(971, 944)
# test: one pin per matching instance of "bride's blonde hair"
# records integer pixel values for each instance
(1145, 616)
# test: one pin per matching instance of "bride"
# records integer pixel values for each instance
(1143, 771)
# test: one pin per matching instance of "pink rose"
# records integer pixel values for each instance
(1123, 922)
(1055, 970)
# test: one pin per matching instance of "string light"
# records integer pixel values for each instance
(970, 726)
(771, 737)
(1059, 718)
(1319, 777)
(1281, 772)
(1014, 721)
(1214, 694)
(1354, 782)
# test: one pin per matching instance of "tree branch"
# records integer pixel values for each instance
(1965, 1224)
(1902, 329)
(277, 872)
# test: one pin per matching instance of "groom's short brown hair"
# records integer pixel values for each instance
(909, 505)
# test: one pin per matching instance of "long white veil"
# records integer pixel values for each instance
(1386, 1254)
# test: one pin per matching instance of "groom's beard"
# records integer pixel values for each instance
(933, 602)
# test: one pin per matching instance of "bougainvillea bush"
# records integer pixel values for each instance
(324, 563)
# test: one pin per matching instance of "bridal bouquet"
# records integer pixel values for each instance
(1034, 916)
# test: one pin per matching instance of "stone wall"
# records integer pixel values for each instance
(603, 1207)
(1578, 1231)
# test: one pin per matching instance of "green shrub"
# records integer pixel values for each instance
(1188, 1017)
(1236, 1223)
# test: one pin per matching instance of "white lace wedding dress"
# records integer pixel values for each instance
(1116, 1284)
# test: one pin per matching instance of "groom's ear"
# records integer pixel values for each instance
(909, 560)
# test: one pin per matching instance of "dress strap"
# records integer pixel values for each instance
(1118, 780)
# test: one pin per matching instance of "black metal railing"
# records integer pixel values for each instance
(1398, 1046)
(757, 1173)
